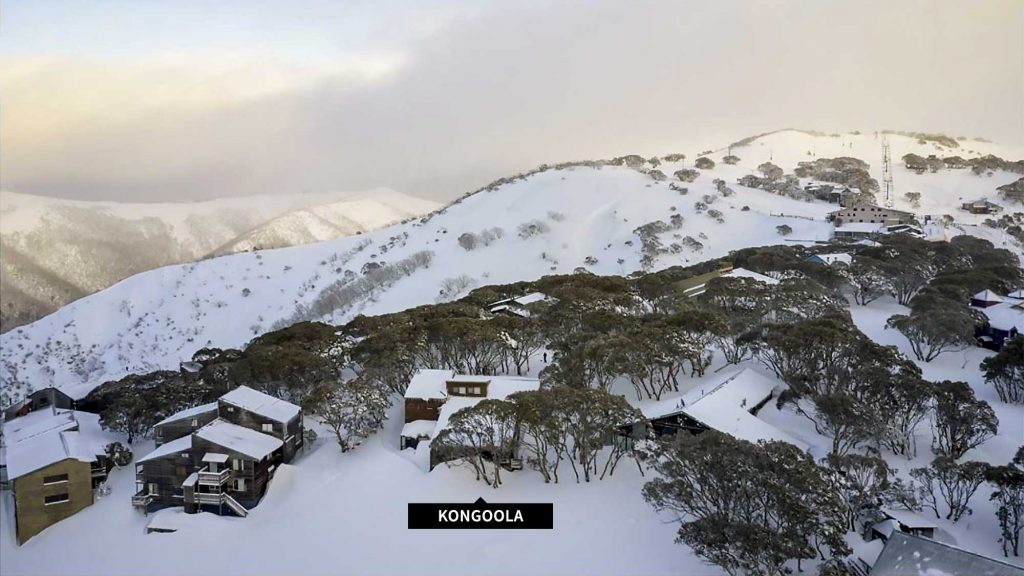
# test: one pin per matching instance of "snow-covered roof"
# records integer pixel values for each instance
(744, 273)
(726, 407)
(520, 300)
(1018, 294)
(831, 259)
(453, 405)
(1006, 315)
(177, 446)
(862, 227)
(906, 555)
(263, 404)
(987, 296)
(251, 443)
(419, 429)
(36, 423)
(530, 298)
(191, 367)
(41, 451)
(886, 527)
(909, 519)
(45, 437)
(215, 457)
(429, 384)
(189, 413)
(511, 310)
(500, 388)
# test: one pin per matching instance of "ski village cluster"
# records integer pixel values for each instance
(852, 405)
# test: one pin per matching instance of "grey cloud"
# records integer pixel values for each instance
(514, 87)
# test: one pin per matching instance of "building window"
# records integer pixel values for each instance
(55, 499)
(231, 409)
(55, 479)
(195, 422)
(268, 427)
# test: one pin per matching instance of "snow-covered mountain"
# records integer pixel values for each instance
(55, 251)
(602, 218)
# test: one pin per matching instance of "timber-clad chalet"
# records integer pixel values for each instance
(433, 396)
(220, 455)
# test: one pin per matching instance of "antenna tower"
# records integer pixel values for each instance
(886, 173)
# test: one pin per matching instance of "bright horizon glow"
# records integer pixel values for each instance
(147, 101)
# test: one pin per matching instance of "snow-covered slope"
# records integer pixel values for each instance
(328, 221)
(554, 221)
(55, 251)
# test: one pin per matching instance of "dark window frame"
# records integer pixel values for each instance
(56, 499)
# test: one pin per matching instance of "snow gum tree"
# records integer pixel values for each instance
(960, 421)
(935, 330)
(863, 481)
(956, 483)
(353, 409)
(748, 508)
(1005, 371)
(867, 280)
(1008, 494)
(480, 436)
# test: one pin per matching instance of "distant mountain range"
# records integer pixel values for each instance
(55, 251)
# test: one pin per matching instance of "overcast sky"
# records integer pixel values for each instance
(186, 100)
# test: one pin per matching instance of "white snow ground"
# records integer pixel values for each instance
(340, 513)
(346, 513)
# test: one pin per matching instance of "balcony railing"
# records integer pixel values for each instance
(143, 498)
(207, 478)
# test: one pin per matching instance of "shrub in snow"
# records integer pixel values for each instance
(770, 171)
(452, 287)
(119, 454)
(468, 241)
(686, 175)
(704, 163)
(554, 216)
(590, 261)
(533, 228)
(717, 215)
(657, 175)
(784, 229)
(730, 159)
